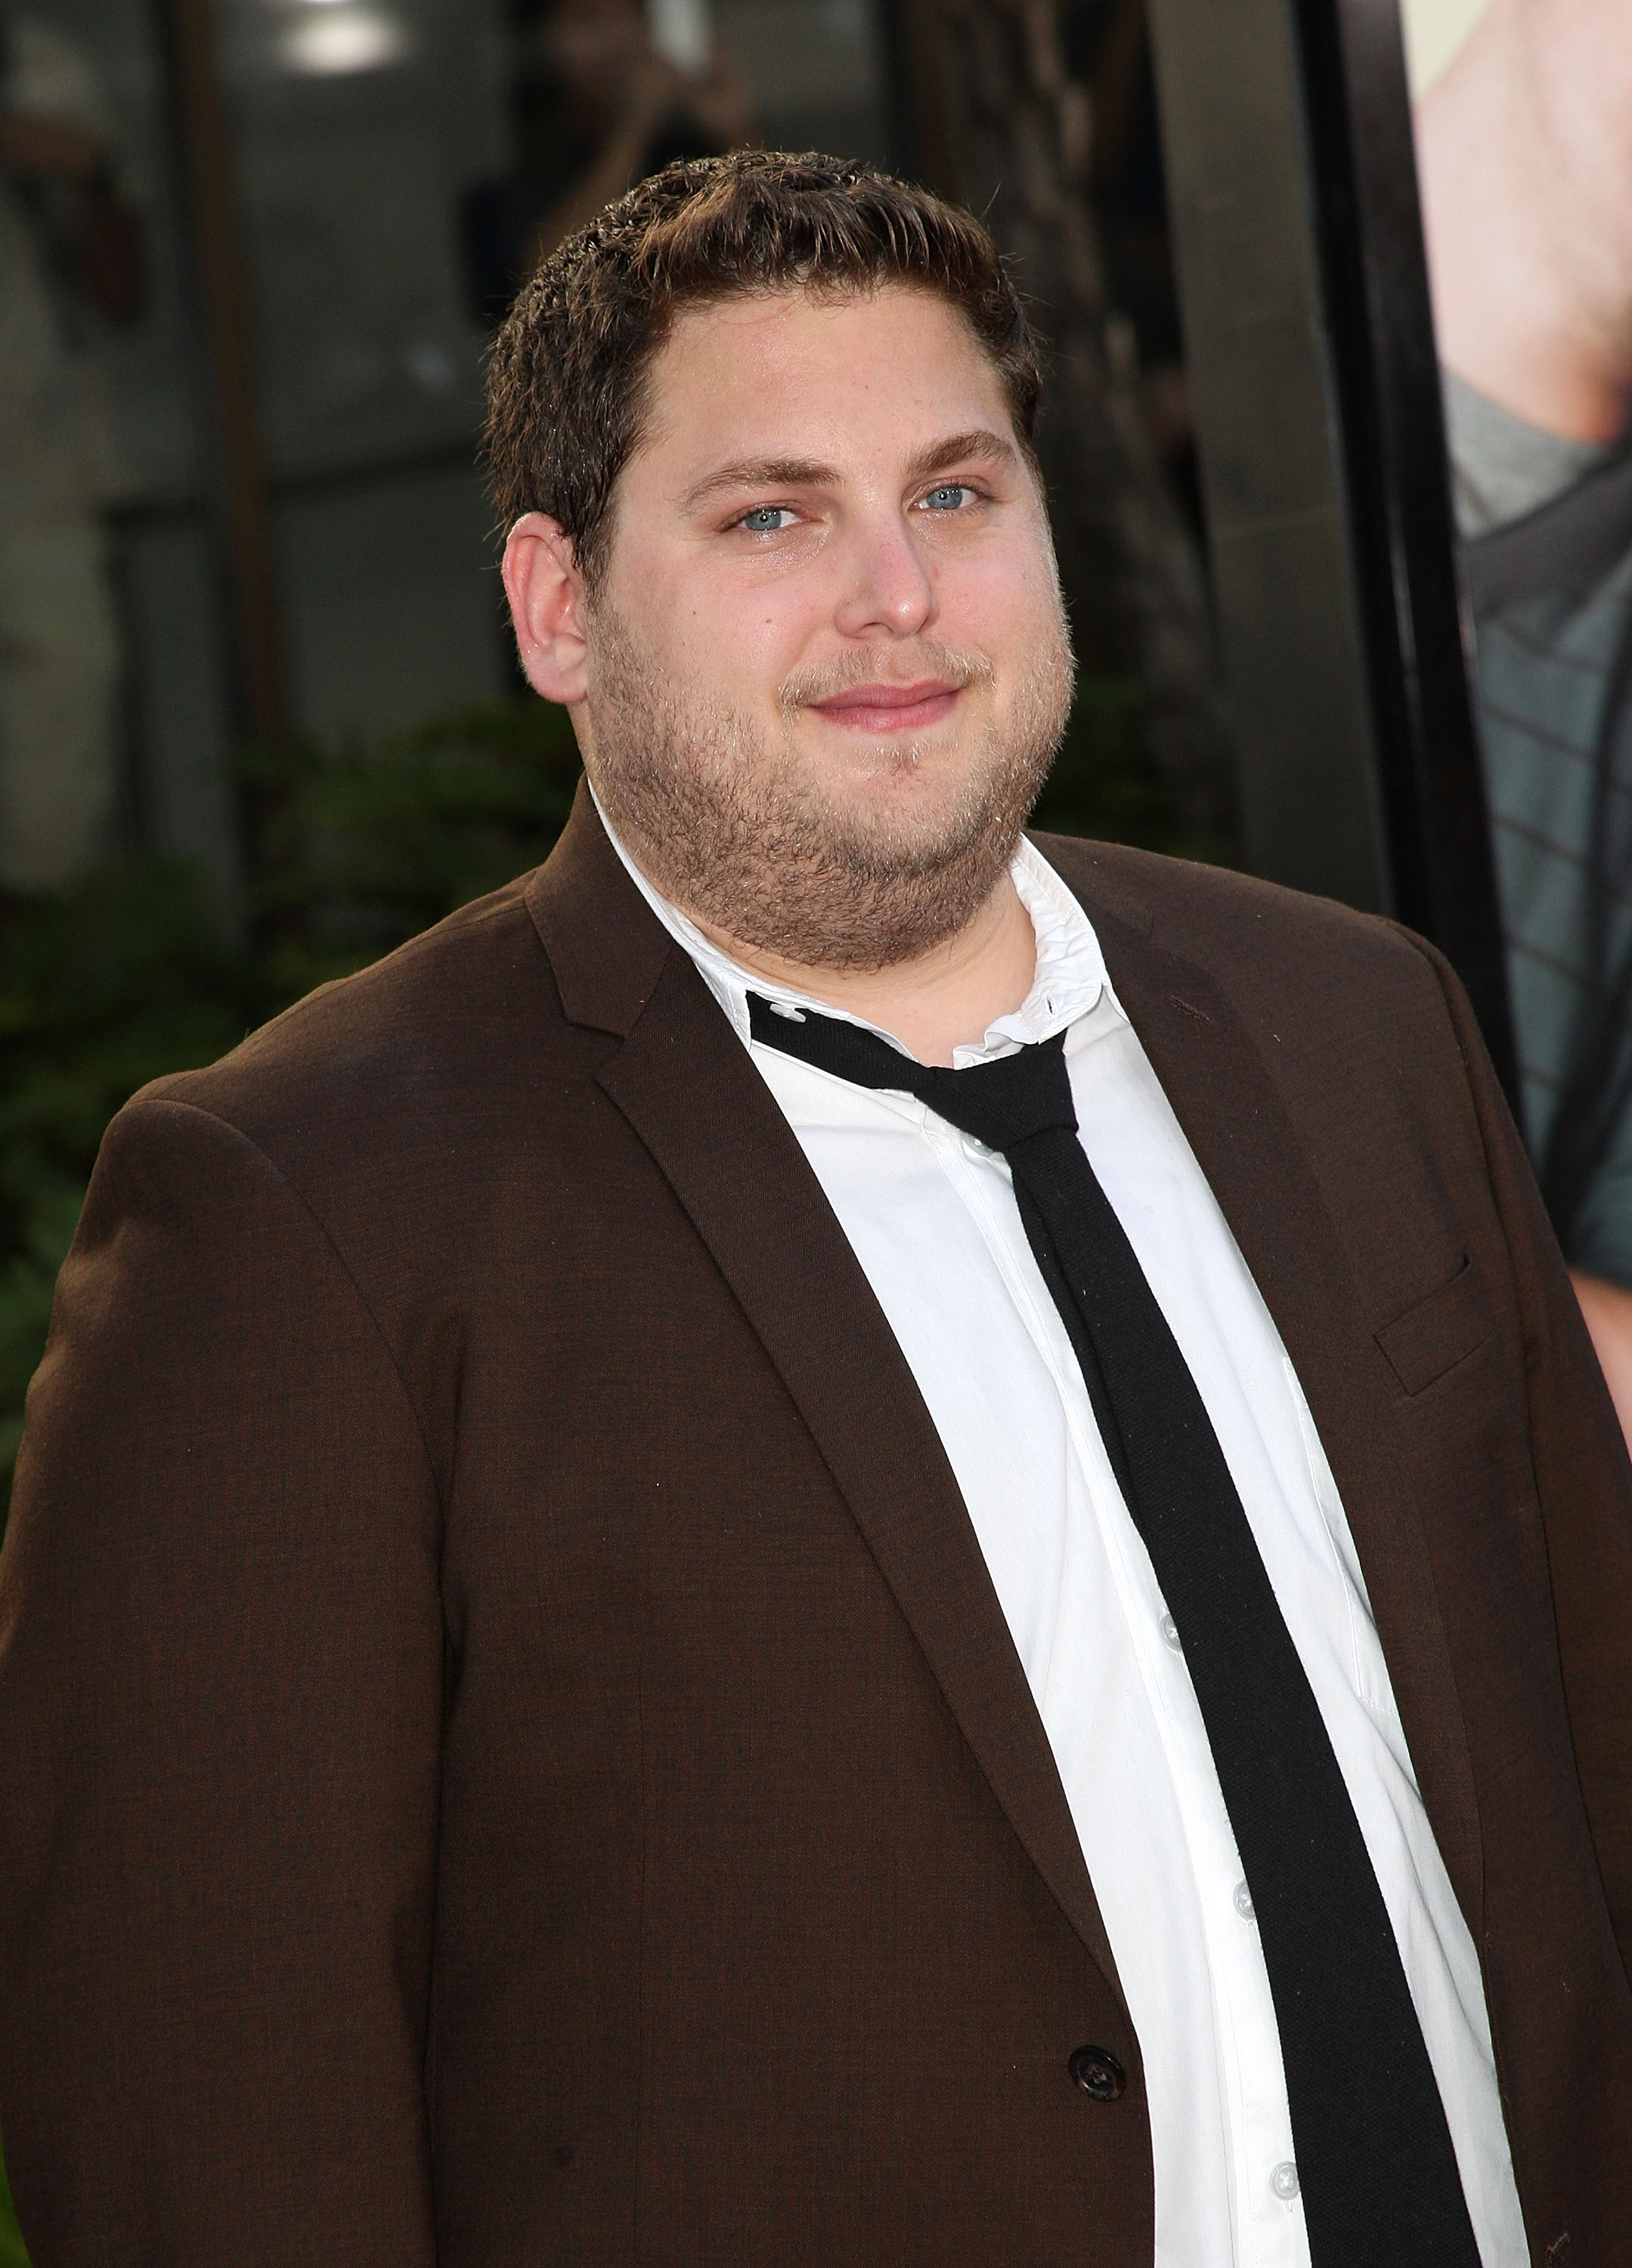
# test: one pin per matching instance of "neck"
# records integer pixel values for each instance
(1525, 157)
(943, 999)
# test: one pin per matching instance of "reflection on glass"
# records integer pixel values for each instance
(328, 39)
(370, 267)
(69, 276)
(1106, 46)
(354, 122)
(600, 95)
(815, 70)
(681, 33)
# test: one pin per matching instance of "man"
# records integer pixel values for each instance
(827, 1538)
(1525, 157)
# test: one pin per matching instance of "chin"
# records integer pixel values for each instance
(906, 777)
(877, 840)
(911, 819)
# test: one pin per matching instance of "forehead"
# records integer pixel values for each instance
(789, 371)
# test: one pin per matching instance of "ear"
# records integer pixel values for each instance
(546, 594)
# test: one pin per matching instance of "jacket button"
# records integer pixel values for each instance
(1098, 2072)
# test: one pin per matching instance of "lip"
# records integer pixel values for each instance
(885, 708)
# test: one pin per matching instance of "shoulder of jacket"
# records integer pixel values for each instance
(462, 1005)
(1235, 923)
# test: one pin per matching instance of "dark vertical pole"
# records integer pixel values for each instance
(1309, 338)
(238, 476)
(921, 120)
(1374, 275)
(1258, 360)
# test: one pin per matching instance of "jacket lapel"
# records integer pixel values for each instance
(687, 1086)
(1245, 1142)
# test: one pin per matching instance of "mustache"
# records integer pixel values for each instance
(907, 666)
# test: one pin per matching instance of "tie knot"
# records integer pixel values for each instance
(1007, 1101)
(1002, 1103)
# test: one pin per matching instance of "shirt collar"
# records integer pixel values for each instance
(1070, 979)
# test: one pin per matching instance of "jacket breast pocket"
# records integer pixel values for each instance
(1440, 1332)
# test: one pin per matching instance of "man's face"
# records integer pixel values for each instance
(827, 663)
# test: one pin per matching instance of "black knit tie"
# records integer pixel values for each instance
(1375, 2164)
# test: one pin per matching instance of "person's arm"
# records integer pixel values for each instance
(1608, 1312)
(715, 99)
(221, 1689)
(1525, 160)
(108, 262)
(35, 149)
(718, 99)
(653, 89)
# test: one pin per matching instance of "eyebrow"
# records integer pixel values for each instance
(761, 473)
(979, 447)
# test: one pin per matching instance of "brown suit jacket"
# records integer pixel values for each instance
(508, 1751)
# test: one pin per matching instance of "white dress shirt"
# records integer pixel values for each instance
(931, 1217)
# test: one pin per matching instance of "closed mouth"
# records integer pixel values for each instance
(887, 708)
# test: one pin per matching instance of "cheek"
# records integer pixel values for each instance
(1005, 604)
(746, 637)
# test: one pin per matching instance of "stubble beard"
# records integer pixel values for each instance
(733, 827)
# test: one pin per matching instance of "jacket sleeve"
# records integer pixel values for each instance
(221, 1665)
(1583, 1481)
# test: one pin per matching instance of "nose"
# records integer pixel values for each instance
(886, 586)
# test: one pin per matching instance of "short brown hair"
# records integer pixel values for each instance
(568, 377)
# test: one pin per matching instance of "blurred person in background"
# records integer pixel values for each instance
(594, 106)
(69, 267)
(1525, 153)
(1107, 50)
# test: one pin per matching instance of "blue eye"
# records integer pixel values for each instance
(765, 519)
(947, 499)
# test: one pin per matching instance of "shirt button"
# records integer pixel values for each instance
(1170, 1632)
(1283, 2181)
(1098, 2072)
(1243, 1902)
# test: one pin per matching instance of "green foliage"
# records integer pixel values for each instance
(136, 971)
(12, 2252)
(102, 988)
(1105, 783)
(360, 846)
